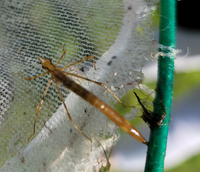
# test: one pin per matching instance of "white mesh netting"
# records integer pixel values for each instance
(116, 32)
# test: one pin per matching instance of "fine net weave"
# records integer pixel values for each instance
(115, 32)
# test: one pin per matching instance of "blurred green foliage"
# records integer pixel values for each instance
(183, 82)
(193, 164)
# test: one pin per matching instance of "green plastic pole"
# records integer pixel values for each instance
(164, 90)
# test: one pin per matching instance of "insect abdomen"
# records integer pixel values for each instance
(103, 107)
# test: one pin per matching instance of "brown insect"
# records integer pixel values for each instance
(59, 75)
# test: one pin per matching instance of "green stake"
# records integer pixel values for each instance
(158, 136)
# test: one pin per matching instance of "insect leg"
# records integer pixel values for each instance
(101, 84)
(61, 57)
(39, 107)
(80, 61)
(70, 118)
(28, 79)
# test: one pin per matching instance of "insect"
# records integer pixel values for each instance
(149, 117)
(59, 75)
